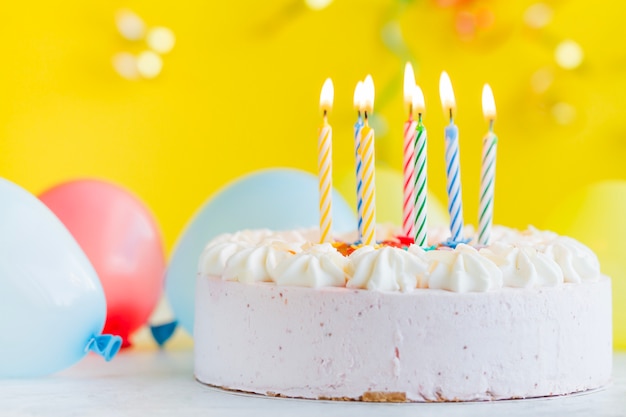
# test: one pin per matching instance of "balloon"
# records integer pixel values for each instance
(52, 308)
(595, 216)
(277, 199)
(389, 198)
(122, 240)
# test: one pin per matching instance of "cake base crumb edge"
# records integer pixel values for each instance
(384, 397)
(398, 397)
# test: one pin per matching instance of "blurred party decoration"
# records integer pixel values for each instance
(318, 4)
(563, 113)
(568, 54)
(161, 39)
(149, 64)
(277, 199)
(121, 238)
(538, 15)
(146, 64)
(541, 80)
(389, 196)
(125, 64)
(470, 17)
(52, 308)
(130, 25)
(595, 216)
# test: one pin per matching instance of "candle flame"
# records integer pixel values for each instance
(327, 95)
(368, 94)
(418, 100)
(489, 104)
(446, 93)
(409, 84)
(358, 96)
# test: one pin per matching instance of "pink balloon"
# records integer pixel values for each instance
(121, 238)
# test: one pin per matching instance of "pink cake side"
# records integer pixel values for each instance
(425, 345)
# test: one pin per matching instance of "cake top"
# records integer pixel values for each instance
(524, 259)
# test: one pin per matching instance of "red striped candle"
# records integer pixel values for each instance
(408, 165)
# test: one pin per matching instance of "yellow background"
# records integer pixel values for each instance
(240, 92)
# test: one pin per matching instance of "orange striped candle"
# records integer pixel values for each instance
(324, 162)
(366, 150)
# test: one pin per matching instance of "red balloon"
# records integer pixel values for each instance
(121, 238)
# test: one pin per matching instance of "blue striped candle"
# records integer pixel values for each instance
(453, 166)
(359, 173)
(453, 183)
(358, 105)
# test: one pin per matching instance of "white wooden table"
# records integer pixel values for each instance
(150, 383)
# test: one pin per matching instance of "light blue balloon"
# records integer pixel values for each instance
(52, 306)
(277, 199)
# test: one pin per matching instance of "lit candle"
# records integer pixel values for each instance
(324, 162)
(453, 166)
(358, 105)
(420, 187)
(488, 170)
(366, 150)
(408, 206)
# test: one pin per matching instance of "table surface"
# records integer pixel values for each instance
(155, 383)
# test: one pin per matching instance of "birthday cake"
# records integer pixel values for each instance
(279, 314)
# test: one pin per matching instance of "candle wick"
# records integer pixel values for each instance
(419, 118)
(410, 111)
(451, 117)
(365, 115)
(491, 122)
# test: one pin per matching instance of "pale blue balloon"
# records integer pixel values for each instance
(52, 306)
(277, 199)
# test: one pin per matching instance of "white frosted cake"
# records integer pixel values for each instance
(280, 315)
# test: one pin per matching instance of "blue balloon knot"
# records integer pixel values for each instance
(105, 345)
(162, 332)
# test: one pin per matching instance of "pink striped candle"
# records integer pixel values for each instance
(324, 162)
(366, 150)
(408, 165)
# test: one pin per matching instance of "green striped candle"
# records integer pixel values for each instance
(421, 189)
(488, 170)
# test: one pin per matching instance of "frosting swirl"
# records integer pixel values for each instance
(462, 270)
(319, 265)
(529, 258)
(385, 269)
(523, 265)
(215, 255)
(257, 263)
(576, 260)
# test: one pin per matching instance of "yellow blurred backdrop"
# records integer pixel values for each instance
(240, 89)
